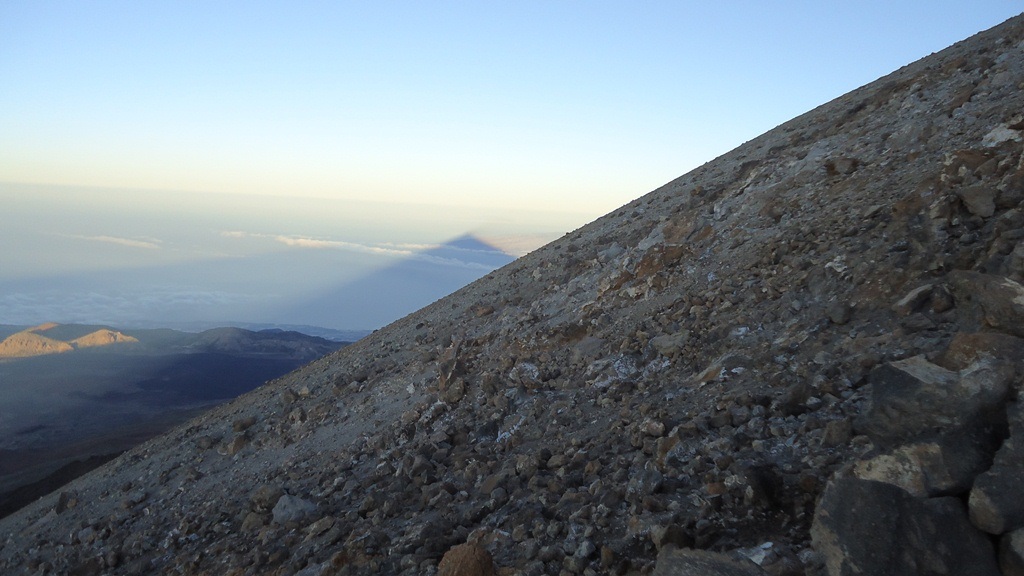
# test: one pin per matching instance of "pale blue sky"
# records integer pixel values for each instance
(564, 106)
(290, 162)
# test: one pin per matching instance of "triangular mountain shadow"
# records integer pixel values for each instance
(264, 288)
(404, 287)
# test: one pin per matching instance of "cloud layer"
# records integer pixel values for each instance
(116, 306)
(129, 242)
(431, 253)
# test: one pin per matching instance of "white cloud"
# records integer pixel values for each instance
(303, 242)
(441, 260)
(416, 252)
(393, 250)
(447, 247)
(130, 242)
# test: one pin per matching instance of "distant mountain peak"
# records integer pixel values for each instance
(102, 337)
(26, 344)
(43, 327)
(60, 338)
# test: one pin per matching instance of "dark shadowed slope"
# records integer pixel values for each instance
(92, 401)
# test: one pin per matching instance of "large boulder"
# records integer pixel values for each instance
(869, 528)
(914, 400)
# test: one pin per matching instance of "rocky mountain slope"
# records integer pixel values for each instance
(800, 358)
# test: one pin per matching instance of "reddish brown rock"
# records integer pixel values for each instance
(466, 560)
(967, 348)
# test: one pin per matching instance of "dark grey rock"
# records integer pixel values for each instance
(1011, 553)
(839, 312)
(914, 399)
(872, 528)
(979, 200)
(670, 344)
(671, 535)
(940, 467)
(995, 502)
(292, 509)
(913, 300)
(988, 300)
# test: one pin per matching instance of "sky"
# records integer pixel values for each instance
(175, 124)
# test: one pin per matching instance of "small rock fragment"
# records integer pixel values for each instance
(839, 313)
(669, 345)
(979, 200)
(265, 496)
(243, 424)
(205, 442)
(688, 562)
(466, 560)
(292, 509)
(913, 300)
(236, 444)
(671, 535)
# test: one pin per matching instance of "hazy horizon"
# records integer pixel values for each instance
(93, 256)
